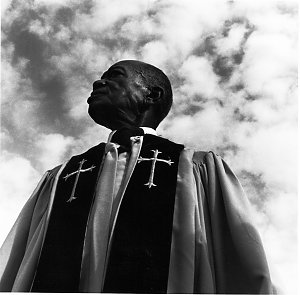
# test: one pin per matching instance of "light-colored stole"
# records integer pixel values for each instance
(103, 216)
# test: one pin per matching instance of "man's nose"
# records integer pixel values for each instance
(99, 84)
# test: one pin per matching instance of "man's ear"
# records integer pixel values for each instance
(155, 95)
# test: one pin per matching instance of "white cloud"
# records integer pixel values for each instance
(140, 26)
(268, 57)
(51, 149)
(40, 28)
(10, 82)
(106, 13)
(91, 136)
(17, 180)
(270, 151)
(232, 42)
(184, 24)
(282, 213)
(200, 78)
(53, 2)
(266, 113)
(19, 100)
(156, 53)
(203, 130)
(4, 5)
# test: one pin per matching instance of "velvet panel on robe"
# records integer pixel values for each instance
(140, 247)
(215, 248)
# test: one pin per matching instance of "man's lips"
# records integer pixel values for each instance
(96, 93)
(99, 91)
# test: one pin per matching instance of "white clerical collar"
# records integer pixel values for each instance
(147, 130)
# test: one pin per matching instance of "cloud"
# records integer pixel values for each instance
(155, 52)
(233, 41)
(268, 59)
(233, 68)
(17, 181)
(199, 78)
(278, 222)
(264, 150)
(203, 130)
(51, 148)
(20, 101)
(4, 5)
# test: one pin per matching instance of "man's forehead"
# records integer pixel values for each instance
(129, 65)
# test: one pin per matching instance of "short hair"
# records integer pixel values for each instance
(154, 77)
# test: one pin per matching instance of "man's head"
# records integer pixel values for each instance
(130, 93)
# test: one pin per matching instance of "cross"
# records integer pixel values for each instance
(77, 172)
(154, 159)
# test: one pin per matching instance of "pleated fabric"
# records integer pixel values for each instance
(215, 247)
(20, 251)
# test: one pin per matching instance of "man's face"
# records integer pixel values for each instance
(117, 99)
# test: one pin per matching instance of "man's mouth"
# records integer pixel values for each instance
(96, 93)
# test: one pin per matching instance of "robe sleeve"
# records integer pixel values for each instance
(228, 250)
(215, 247)
(20, 250)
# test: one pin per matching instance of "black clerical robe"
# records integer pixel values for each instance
(191, 233)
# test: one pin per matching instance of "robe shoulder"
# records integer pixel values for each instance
(53, 171)
(202, 157)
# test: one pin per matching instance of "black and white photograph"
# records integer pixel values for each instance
(149, 146)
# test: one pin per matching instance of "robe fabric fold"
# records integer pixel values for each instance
(214, 245)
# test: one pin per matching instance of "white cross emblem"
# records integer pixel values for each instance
(154, 160)
(77, 172)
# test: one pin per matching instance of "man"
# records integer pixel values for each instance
(138, 214)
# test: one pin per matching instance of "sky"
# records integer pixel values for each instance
(233, 68)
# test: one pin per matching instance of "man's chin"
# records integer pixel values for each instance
(102, 118)
(110, 118)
